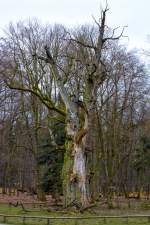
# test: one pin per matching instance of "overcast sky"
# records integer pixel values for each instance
(133, 13)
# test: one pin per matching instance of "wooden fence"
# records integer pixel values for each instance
(49, 220)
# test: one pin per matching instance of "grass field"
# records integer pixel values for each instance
(5, 209)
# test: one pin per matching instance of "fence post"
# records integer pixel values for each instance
(23, 220)
(105, 221)
(4, 219)
(48, 221)
(127, 221)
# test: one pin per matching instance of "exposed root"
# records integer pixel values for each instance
(17, 205)
(82, 209)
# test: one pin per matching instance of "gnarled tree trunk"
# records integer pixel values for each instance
(74, 172)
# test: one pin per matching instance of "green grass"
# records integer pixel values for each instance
(5, 209)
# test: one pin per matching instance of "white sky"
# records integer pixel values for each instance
(133, 13)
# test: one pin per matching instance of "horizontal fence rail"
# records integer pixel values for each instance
(50, 219)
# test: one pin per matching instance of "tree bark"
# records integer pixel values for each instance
(74, 170)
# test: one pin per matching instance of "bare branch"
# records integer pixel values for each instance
(70, 105)
(115, 38)
(45, 101)
(82, 44)
(100, 41)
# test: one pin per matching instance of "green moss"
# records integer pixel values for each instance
(67, 167)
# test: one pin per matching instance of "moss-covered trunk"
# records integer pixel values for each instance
(93, 155)
(75, 183)
(92, 139)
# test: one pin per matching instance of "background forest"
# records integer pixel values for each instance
(98, 77)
